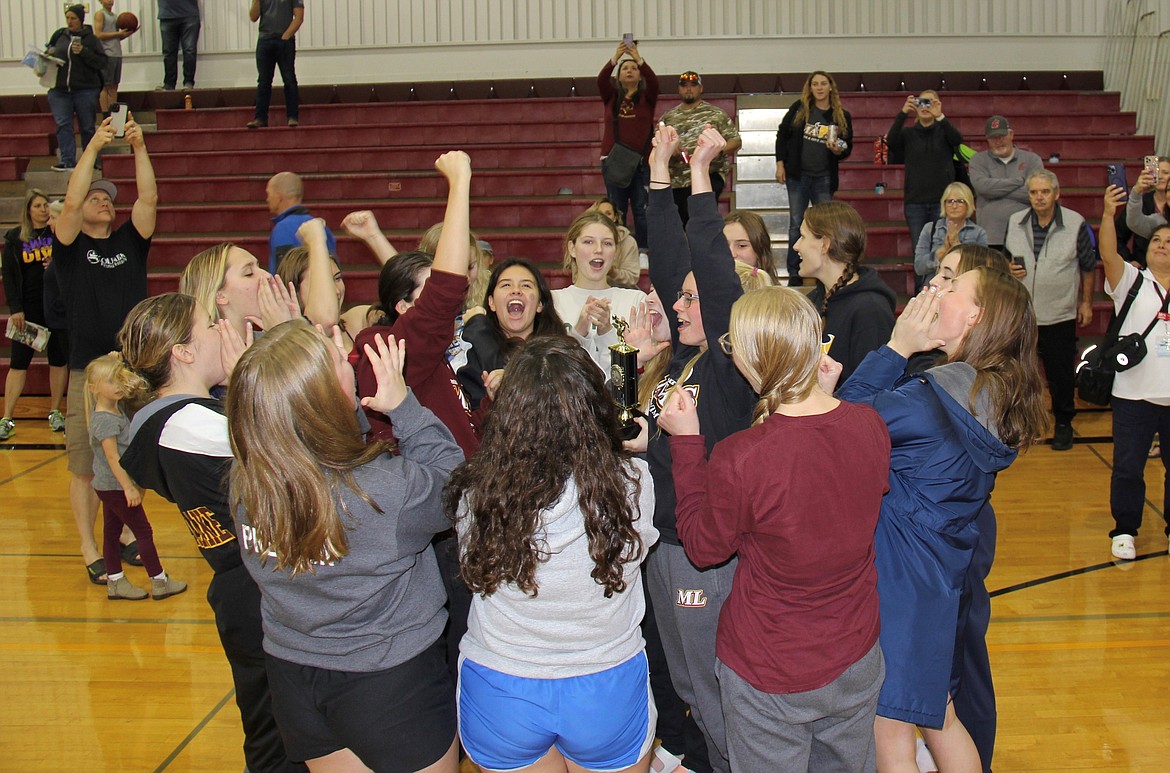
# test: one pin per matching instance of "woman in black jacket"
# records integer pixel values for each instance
(814, 137)
(79, 83)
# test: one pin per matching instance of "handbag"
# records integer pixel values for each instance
(621, 164)
(1115, 354)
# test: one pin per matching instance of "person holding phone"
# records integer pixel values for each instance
(78, 85)
(927, 149)
(1147, 208)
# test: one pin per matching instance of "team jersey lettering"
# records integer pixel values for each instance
(694, 599)
(207, 531)
(662, 389)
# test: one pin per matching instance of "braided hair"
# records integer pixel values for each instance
(843, 227)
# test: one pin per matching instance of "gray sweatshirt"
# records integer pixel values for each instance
(381, 604)
(569, 628)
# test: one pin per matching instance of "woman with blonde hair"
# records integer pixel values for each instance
(228, 283)
(812, 140)
(337, 534)
(955, 227)
(789, 702)
(856, 304)
(589, 304)
(952, 428)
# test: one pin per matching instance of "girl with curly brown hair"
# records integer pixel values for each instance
(554, 521)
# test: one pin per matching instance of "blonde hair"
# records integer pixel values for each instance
(752, 277)
(107, 369)
(957, 190)
(296, 442)
(477, 287)
(776, 336)
(26, 223)
(586, 218)
(204, 276)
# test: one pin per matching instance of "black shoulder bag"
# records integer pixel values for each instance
(1115, 354)
(621, 164)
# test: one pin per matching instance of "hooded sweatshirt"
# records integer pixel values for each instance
(82, 70)
(860, 316)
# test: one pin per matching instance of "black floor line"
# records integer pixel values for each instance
(32, 447)
(194, 732)
(1071, 573)
(21, 474)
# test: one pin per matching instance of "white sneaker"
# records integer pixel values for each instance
(1123, 547)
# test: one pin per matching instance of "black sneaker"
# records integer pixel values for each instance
(1062, 437)
(62, 168)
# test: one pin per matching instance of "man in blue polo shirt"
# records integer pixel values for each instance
(285, 192)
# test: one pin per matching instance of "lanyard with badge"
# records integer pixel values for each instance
(1164, 315)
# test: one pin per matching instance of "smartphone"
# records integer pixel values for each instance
(1116, 176)
(119, 111)
(628, 40)
(1018, 261)
(1151, 165)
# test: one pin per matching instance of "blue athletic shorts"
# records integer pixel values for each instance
(603, 721)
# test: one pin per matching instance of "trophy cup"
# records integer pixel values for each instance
(623, 376)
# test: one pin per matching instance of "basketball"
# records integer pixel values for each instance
(127, 21)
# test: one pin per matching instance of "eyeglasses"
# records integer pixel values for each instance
(955, 202)
(725, 343)
(687, 298)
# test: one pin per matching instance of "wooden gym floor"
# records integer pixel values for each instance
(1080, 647)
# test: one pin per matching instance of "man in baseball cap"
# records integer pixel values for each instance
(998, 175)
(688, 119)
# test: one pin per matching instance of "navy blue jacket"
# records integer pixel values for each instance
(942, 468)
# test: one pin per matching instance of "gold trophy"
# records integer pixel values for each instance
(623, 376)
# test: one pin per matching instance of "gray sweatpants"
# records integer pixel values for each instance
(827, 730)
(686, 604)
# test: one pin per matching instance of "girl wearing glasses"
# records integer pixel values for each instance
(955, 227)
(694, 271)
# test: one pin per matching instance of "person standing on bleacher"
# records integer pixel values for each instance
(997, 176)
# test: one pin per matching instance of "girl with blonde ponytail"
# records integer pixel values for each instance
(796, 497)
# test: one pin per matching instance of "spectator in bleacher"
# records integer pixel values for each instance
(1147, 208)
(588, 305)
(857, 306)
(102, 274)
(28, 249)
(105, 28)
(276, 47)
(1052, 253)
(78, 86)
(178, 22)
(285, 193)
(928, 150)
(998, 176)
(749, 241)
(815, 135)
(955, 227)
(1141, 394)
(627, 266)
(629, 120)
(689, 118)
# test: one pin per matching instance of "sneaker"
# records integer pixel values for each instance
(161, 589)
(7, 428)
(123, 589)
(56, 421)
(293, 123)
(1062, 437)
(188, 86)
(62, 167)
(1123, 547)
(164, 87)
(255, 123)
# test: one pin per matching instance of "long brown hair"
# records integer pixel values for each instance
(757, 232)
(296, 442)
(843, 227)
(776, 336)
(150, 331)
(26, 223)
(807, 101)
(553, 420)
(1001, 347)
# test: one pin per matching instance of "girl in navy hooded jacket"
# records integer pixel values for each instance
(952, 429)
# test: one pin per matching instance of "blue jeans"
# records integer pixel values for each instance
(65, 104)
(179, 34)
(635, 195)
(270, 54)
(808, 189)
(917, 216)
(1134, 425)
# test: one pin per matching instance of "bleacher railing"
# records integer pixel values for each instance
(1137, 64)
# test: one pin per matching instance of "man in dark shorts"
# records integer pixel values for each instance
(102, 275)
